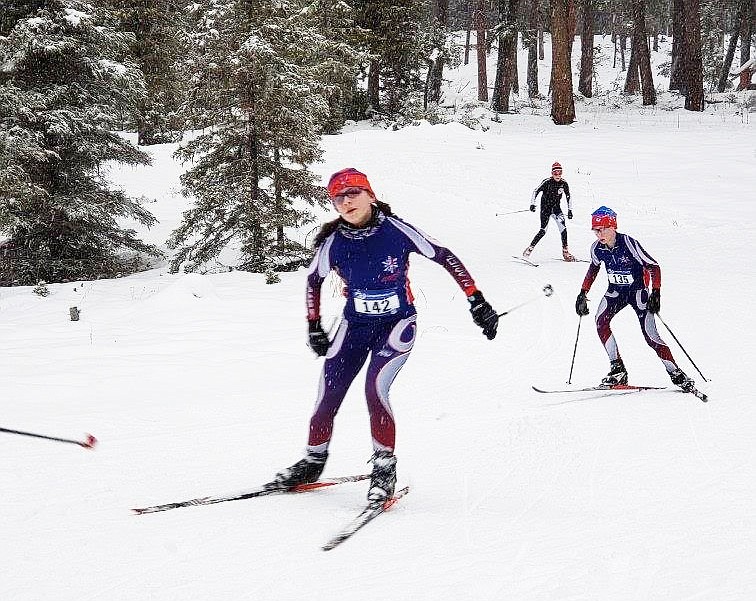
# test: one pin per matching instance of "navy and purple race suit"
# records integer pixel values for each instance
(630, 270)
(378, 320)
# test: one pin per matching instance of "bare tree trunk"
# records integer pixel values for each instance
(632, 79)
(743, 11)
(676, 78)
(746, 33)
(467, 36)
(515, 75)
(585, 86)
(480, 42)
(643, 54)
(531, 39)
(278, 199)
(562, 102)
(623, 45)
(694, 97)
(541, 51)
(373, 85)
(436, 70)
(507, 38)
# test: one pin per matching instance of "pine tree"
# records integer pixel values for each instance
(712, 32)
(441, 52)
(341, 58)
(160, 42)
(14, 10)
(400, 40)
(259, 86)
(64, 83)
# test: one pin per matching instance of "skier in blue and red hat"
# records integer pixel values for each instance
(369, 247)
(630, 270)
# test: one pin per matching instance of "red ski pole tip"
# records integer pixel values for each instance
(90, 442)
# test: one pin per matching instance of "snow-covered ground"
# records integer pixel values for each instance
(199, 385)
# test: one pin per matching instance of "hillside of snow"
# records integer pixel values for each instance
(202, 384)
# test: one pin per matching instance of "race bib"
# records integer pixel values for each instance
(620, 279)
(376, 302)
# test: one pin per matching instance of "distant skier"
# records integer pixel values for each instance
(369, 248)
(552, 189)
(630, 270)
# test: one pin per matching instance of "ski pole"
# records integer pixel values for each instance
(87, 444)
(574, 352)
(512, 212)
(547, 290)
(682, 347)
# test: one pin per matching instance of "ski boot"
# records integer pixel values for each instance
(567, 255)
(303, 471)
(617, 374)
(680, 378)
(383, 477)
(527, 251)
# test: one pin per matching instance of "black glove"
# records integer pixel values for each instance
(569, 213)
(483, 315)
(654, 301)
(532, 208)
(317, 339)
(581, 304)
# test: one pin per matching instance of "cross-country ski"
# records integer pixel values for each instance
(268, 489)
(601, 388)
(368, 514)
(524, 261)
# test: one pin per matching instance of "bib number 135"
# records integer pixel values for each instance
(620, 279)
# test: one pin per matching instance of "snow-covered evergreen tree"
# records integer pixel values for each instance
(712, 33)
(65, 81)
(340, 61)
(260, 88)
(400, 39)
(160, 44)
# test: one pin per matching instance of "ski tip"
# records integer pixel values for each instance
(89, 443)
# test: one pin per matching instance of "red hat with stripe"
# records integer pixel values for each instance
(348, 178)
(556, 167)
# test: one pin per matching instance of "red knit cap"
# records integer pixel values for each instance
(603, 217)
(603, 221)
(348, 178)
(556, 166)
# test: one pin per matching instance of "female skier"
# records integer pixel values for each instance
(369, 248)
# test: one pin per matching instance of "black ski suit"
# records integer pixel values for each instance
(551, 195)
